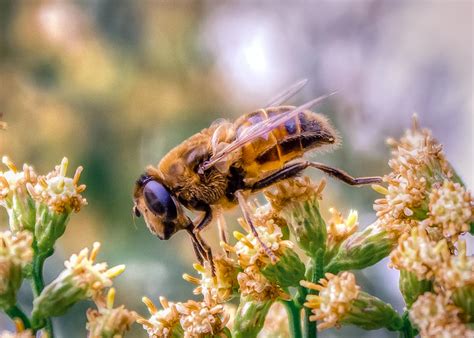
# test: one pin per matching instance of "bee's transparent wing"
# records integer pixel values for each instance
(286, 94)
(261, 129)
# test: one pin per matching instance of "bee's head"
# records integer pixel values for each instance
(160, 209)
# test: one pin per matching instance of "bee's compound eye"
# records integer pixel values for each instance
(159, 201)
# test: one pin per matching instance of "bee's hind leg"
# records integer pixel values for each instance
(293, 169)
(248, 218)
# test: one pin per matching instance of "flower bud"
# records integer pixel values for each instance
(108, 321)
(297, 201)
(56, 196)
(14, 196)
(80, 280)
(340, 301)
(411, 287)
(15, 254)
(250, 317)
(288, 271)
(254, 285)
(362, 249)
(464, 299)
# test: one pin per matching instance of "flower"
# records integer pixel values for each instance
(418, 254)
(293, 190)
(60, 193)
(435, 316)
(361, 249)
(14, 195)
(336, 294)
(249, 249)
(82, 279)
(198, 319)
(340, 301)
(451, 208)
(296, 201)
(15, 253)
(253, 284)
(107, 321)
(417, 163)
(339, 228)
(456, 271)
(56, 197)
(162, 323)
(219, 288)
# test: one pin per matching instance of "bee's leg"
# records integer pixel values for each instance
(294, 169)
(201, 224)
(198, 251)
(248, 219)
(222, 225)
(201, 249)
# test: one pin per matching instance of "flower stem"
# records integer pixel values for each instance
(15, 312)
(317, 268)
(407, 331)
(294, 318)
(38, 281)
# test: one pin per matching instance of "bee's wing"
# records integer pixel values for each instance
(260, 129)
(286, 94)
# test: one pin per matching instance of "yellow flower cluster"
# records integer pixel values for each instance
(13, 180)
(88, 275)
(59, 192)
(436, 316)
(293, 190)
(420, 188)
(161, 322)
(107, 321)
(417, 253)
(220, 287)
(252, 283)
(336, 294)
(199, 319)
(340, 228)
(450, 209)
(192, 319)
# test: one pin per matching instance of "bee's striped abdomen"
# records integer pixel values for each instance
(287, 142)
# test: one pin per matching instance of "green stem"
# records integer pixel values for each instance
(407, 331)
(317, 266)
(16, 312)
(294, 318)
(38, 282)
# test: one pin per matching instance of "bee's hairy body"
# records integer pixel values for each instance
(217, 168)
(257, 159)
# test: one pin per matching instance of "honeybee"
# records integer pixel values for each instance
(217, 168)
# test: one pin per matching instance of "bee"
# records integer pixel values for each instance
(219, 167)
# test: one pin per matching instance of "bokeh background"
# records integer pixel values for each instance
(114, 85)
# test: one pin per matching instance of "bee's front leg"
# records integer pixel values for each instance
(201, 246)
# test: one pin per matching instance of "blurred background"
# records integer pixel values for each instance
(114, 85)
